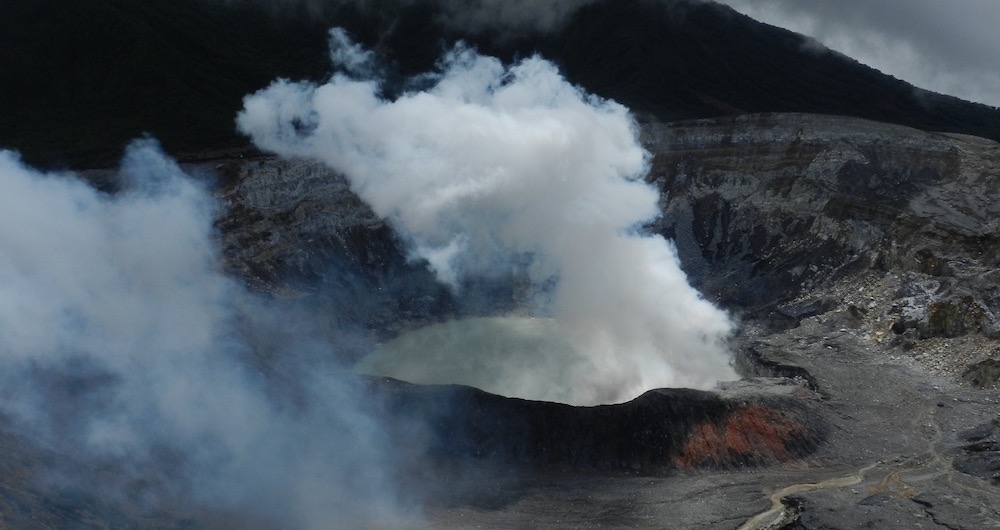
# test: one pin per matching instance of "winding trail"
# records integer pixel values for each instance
(780, 514)
(928, 465)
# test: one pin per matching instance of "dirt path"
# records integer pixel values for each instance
(781, 513)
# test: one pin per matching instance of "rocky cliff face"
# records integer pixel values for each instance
(763, 207)
(293, 229)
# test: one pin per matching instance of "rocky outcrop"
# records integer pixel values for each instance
(980, 455)
(289, 222)
(765, 208)
(984, 374)
(294, 229)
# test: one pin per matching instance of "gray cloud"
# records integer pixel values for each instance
(947, 47)
(494, 168)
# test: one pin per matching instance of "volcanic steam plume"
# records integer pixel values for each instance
(489, 170)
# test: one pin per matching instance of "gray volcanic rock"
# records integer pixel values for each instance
(287, 220)
(764, 206)
(984, 374)
(293, 228)
(981, 454)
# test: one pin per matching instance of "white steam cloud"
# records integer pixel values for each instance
(120, 343)
(493, 168)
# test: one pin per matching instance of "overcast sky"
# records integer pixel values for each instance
(948, 46)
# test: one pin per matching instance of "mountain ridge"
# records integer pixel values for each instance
(83, 78)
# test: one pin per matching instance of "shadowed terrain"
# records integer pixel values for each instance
(83, 78)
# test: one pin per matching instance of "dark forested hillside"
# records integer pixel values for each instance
(81, 77)
(694, 59)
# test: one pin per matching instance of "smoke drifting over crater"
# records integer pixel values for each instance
(123, 345)
(492, 170)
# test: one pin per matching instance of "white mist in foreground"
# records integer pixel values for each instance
(122, 345)
(489, 169)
